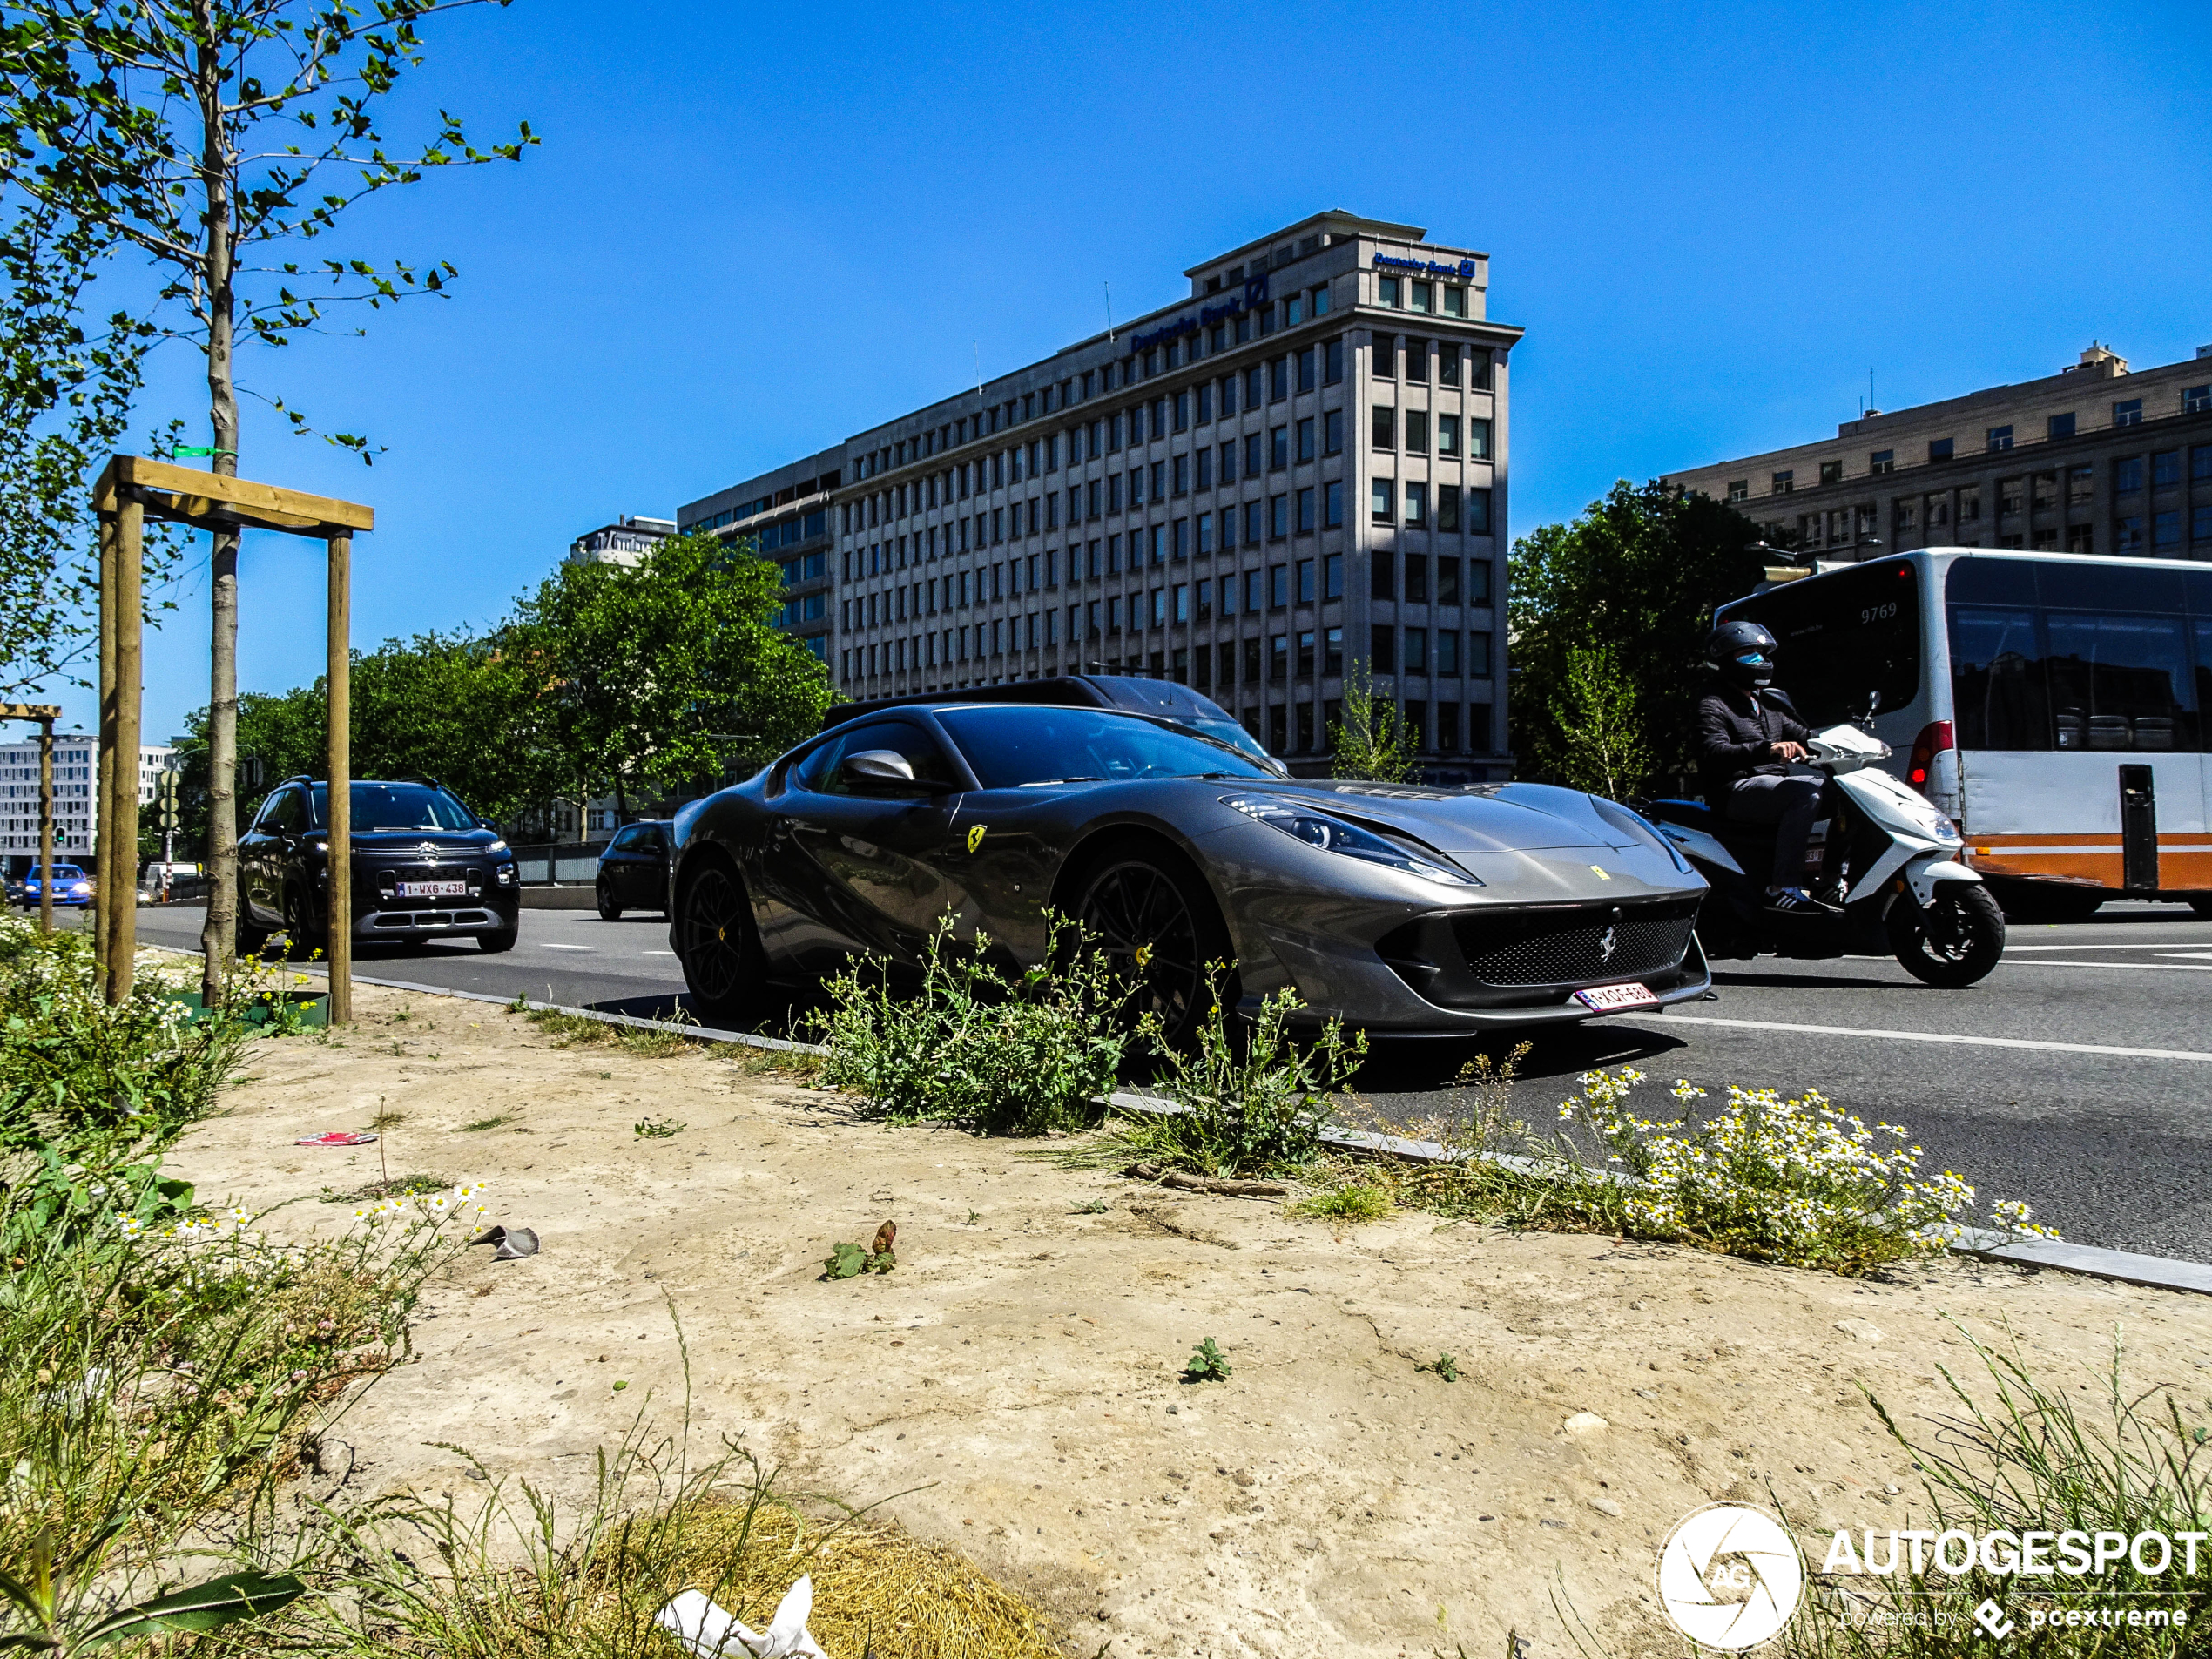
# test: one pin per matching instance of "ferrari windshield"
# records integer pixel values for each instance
(397, 806)
(1011, 746)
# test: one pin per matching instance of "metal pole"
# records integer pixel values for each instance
(103, 797)
(46, 826)
(120, 858)
(340, 859)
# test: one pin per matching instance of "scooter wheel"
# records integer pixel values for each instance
(1955, 942)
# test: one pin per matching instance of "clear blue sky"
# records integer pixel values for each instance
(750, 231)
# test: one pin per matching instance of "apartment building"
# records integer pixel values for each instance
(2097, 458)
(76, 776)
(1295, 474)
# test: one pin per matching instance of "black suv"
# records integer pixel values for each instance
(424, 866)
(633, 870)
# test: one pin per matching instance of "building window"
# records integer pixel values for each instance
(2059, 426)
(1333, 651)
(1447, 507)
(1332, 505)
(1417, 431)
(1305, 582)
(1784, 482)
(1940, 449)
(2128, 537)
(1278, 447)
(1479, 656)
(1306, 366)
(1387, 292)
(1416, 578)
(1880, 462)
(1252, 511)
(1478, 512)
(1739, 489)
(2196, 399)
(1382, 649)
(1386, 355)
(1384, 420)
(2080, 485)
(1278, 517)
(2166, 469)
(1417, 361)
(1278, 379)
(1478, 439)
(1382, 575)
(1332, 577)
(1305, 505)
(1831, 472)
(1278, 659)
(2166, 530)
(2200, 525)
(1306, 439)
(1447, 651)
(1332, 361)
(1416, 503)
(2127, 475)
(2080, 538)
(1455, 300)
(2128, 414)
(1381, 500)
(1332, 432)
(1447, 434)
(1421, 296)
(1305, 673)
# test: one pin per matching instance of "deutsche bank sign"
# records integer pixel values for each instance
(1463, 269)
(1255, 294)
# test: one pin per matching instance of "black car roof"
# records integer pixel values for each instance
(1067, 690)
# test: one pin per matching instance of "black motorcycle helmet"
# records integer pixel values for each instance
(1742, 652)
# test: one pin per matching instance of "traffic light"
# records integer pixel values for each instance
(166, 815)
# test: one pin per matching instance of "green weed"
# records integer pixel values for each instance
(488, 1122)
(658, 1129)
(1354, 1200)
(1209, 1364)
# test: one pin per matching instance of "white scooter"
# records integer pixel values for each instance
(1887, 872)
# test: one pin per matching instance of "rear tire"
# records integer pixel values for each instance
(2201, 903)
(723, 966)
(609, 910)
(1955, 942)
(246, 940)
(306, 939)
(1159, 928)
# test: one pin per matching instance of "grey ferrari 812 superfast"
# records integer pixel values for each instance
(1397, 908)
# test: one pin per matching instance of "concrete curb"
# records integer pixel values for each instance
(2153, 1273)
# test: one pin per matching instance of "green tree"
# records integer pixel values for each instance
(648, 671)
(214, 137)
(1604, 747)
(1637, 574)
(1371, 741)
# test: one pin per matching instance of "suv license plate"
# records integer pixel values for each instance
(1610, 999)
(444, 890)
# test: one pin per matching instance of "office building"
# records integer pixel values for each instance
(1294, 474)
(76, 776)
(624, 541)
(2094, 459)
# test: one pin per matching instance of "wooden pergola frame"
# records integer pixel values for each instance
(45, 714)
(131, 489)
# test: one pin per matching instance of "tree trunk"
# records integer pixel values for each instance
(219, 937)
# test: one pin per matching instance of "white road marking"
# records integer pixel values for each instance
(2199, 955)
(657, 953)
(547, 944)
(2149, 944)
(2060, 962)
(1942, 1037)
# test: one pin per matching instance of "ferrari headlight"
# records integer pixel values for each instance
(1333, 835)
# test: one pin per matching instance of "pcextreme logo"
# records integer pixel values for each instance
(1729, 1576)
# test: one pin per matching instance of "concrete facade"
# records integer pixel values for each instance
(1297, 472)
(75, 775)
(2096, 459)
(624, 541)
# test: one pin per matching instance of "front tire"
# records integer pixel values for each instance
(609, 910)
(493, 944)
(715, 942)
(1159, 929)
(1955, 942)
(300, 929)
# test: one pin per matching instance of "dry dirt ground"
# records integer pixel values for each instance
(1017, 1377)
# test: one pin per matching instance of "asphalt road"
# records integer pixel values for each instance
(2084, 1084)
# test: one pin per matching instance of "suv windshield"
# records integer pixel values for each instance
(1011, 746)
(397, 806)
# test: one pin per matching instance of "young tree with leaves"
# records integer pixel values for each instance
(1637, 574)
(655, 673)
(1604, 746)
(227, 138)
(1370, 741)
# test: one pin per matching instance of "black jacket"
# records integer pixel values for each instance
(1734, 730)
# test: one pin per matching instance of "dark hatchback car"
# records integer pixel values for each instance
(423, 866)
(633, 871)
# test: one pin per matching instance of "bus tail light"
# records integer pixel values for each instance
(1934, 738)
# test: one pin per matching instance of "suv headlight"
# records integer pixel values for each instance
(1333, 835)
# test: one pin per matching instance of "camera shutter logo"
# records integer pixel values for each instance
(1730, 1576)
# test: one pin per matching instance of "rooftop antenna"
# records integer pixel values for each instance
(1110, 311)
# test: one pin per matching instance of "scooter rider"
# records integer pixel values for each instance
(1745, 743)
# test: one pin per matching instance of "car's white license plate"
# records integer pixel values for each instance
(1610, 999)
(434, 889)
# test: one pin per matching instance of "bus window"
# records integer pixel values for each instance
(2204, 677)
(1842, 637)
(1997, 692)
(2120, 682)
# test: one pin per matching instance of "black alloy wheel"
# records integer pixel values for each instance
(1955, 942)
(306, 938)
(1159, 936)
(714, 942)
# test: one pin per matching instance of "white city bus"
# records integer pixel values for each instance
(2054, 705)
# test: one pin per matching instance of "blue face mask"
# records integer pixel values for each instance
(1755, 659)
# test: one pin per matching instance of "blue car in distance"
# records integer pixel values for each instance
(71, 886)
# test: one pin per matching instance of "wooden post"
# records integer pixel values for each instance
(104, 743)
(46, 825)
(118, 873)
(340, 929)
